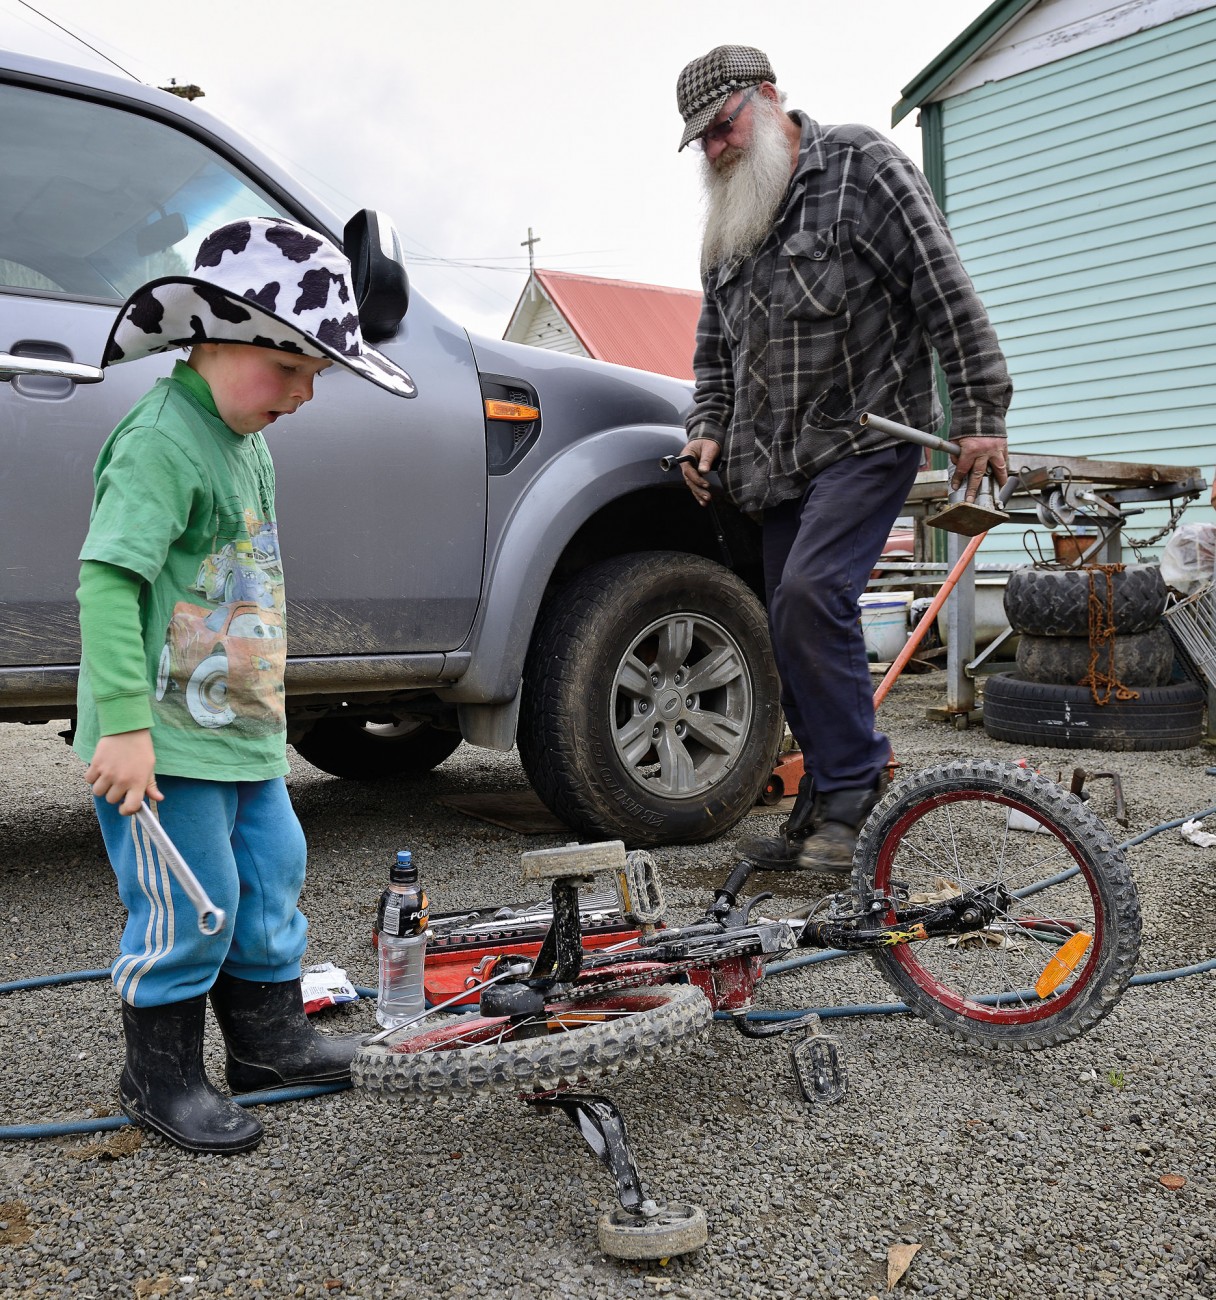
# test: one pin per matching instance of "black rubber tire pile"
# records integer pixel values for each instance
(1044, 703)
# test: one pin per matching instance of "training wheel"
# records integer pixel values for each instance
(676, 1229)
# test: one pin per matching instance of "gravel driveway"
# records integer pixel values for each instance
(1017, 1176)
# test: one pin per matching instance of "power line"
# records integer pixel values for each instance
(442, 264)
(519, 257)
(67, 31)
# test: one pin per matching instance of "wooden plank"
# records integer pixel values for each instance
(932, 484)
(1112, 473)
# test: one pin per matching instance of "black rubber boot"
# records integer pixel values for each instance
(780, 852)
(839, 816)
(269, 1039)
(165, 1088)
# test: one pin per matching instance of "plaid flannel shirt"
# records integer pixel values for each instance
(839, 312)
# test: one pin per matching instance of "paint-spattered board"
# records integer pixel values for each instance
(933, 484)
(1103, 473)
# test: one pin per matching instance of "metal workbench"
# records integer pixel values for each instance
(1065, 491)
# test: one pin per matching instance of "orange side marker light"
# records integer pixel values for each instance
(499, 410)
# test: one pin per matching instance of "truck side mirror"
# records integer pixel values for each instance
(382, 287)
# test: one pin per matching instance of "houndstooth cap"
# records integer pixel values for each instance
(708, 82)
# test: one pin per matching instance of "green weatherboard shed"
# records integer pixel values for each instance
(1072, 146)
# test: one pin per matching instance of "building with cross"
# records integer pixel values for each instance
(647, 326)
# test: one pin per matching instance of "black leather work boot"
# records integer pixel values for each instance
(269, 1039)
(839, 816)
(780, 852)
(165, 1088)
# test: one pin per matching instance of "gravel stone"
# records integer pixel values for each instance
(1017, 1175)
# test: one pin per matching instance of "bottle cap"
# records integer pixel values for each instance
(403, 871)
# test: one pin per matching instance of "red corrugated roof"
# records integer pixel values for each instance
(643, 325)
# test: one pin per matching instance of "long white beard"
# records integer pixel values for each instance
(743, 197)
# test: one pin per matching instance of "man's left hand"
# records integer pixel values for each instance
(980, 456)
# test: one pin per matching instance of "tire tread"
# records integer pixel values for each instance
(1086, 831)
(537, 1064)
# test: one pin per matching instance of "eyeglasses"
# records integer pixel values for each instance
(722, 129)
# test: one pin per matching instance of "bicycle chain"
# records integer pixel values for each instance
(585, 988)
(588, 988)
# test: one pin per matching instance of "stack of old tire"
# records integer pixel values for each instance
(1131, 702)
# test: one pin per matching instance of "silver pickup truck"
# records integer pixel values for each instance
(452, 574)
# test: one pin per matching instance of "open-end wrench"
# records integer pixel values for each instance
(210, 917)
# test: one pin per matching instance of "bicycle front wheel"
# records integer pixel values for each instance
(1063, 945)
(570, 1043)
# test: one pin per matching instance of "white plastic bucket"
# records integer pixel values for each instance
(884, 623)
(990, 618)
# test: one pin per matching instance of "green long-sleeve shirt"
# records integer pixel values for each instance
(181, 591)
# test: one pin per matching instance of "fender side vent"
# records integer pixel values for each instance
(508, 440)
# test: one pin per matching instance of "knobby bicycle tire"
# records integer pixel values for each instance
(580, 1040)
(959, 826)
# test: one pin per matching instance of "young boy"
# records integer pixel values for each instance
(181, 680)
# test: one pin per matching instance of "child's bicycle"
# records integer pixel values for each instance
(994, 902)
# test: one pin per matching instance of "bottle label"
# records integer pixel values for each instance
(401, 914)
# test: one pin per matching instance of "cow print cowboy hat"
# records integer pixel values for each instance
(264, 281)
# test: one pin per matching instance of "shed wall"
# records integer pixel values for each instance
(1082, 195)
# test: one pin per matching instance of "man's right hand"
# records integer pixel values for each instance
(706, 451)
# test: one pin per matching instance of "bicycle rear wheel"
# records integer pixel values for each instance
(1063, 946)
(572, 1042)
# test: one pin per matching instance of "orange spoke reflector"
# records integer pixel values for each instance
(1063, 963)
(496, 410)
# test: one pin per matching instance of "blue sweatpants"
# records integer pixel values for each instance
(818, 553)
(244, 843)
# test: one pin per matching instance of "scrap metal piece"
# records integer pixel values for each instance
(1080, 776)
(968, 518)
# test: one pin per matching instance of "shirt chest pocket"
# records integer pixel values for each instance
(730, 298)
(816, 287)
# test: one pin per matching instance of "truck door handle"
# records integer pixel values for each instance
(15, 367)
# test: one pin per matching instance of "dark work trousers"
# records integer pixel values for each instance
(818, 554)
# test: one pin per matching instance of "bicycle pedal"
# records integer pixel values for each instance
(818, 1068)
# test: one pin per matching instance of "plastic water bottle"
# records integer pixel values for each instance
(401, 919)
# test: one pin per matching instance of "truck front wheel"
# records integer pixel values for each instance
(651, 706)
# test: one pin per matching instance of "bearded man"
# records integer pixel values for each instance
(830, 281)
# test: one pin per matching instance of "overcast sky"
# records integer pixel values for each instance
(470, 121)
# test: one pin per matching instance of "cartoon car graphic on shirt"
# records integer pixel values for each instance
(228, 662)
(241, 571)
